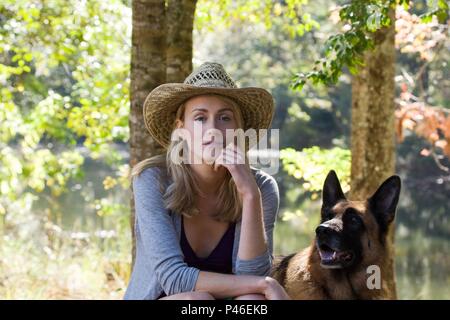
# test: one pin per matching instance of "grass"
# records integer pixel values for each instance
(46, 262)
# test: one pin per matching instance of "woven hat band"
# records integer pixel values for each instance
(210, 75)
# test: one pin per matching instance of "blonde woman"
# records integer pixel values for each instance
(204, 227)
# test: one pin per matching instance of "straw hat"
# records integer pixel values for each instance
(160, 106)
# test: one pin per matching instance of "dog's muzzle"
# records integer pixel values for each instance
(333, 253)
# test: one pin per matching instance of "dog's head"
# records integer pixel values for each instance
(350, 231)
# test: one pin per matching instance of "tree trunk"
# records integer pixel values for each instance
(180, 23)
(161, 52)
(148, 70)
(372, 132)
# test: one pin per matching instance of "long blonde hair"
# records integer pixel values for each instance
(179, 195)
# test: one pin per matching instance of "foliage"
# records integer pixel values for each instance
(65, 81)
(415, 110)
(64, 100)
(214, 14)
(361, 19)
(311, 166)
(430, 123)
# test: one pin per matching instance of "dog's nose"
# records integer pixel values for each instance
(323, 230)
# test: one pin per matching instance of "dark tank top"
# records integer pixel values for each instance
(219, 260)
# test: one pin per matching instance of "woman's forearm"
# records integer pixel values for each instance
(252, 242)
(228, 285)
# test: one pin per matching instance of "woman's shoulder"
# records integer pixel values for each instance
(150, 176)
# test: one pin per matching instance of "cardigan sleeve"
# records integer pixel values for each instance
(270, 197)
(158, 238)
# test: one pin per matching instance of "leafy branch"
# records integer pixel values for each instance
(346, 49)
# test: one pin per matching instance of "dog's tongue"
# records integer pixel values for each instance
(327, 255)
(331, 255)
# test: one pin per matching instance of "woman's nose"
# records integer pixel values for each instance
(213, 133)
(212, 125)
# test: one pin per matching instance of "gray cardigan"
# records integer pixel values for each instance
(159, 264)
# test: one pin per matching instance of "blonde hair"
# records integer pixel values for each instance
(179, 195)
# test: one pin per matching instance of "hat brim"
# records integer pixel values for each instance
(160, 107)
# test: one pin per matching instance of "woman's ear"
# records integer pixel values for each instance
(178, 123)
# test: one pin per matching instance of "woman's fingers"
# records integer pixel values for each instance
(218, 162)
(231, 155)
(232, 158)
(235, 153)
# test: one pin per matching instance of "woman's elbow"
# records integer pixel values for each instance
(183, 279)
(262, 268)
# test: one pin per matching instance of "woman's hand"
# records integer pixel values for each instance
(272, 290)
(233, 159)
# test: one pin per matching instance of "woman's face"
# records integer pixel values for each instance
(207, 118)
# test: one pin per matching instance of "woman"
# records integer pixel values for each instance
(204, 229)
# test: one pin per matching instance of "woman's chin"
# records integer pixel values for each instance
(209, 160)
(209, 157)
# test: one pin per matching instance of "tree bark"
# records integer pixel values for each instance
(372, 132)
(148, 70)
(161, 52)
(180, 23)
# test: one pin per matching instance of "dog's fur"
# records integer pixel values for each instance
(357, 231)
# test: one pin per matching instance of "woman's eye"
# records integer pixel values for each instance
(201, 118)
(225, 118)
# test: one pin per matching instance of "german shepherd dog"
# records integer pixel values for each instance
(351, 237)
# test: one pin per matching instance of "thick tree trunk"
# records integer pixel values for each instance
(180, 22)
(148, 70)
(372, 134)
(161, 52)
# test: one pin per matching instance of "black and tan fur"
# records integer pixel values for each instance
(357, 231)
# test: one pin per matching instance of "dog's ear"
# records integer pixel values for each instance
(332, 191)
(383, 202)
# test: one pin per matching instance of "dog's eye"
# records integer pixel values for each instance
(353, 219)
(355, 222)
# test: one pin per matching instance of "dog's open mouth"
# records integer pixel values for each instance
(331, 258)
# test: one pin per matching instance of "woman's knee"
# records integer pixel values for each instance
(194, 295)
(197, 295)
(253, 296)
